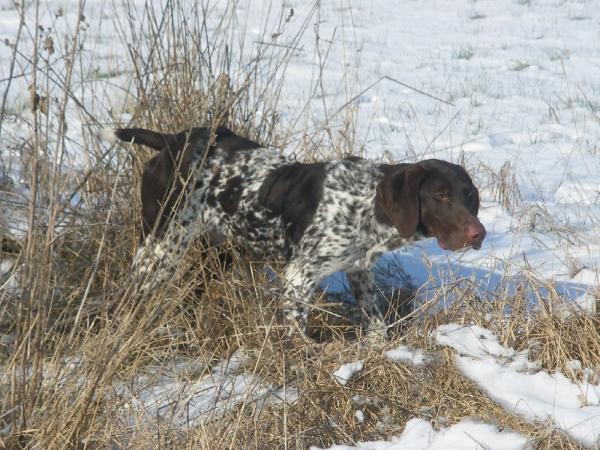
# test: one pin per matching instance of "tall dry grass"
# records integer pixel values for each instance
(75, 329)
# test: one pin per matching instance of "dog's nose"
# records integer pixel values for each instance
(475, 234)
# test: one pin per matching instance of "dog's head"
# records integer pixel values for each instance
(433, 197)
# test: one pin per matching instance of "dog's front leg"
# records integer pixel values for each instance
(365, 294)
(298, 294)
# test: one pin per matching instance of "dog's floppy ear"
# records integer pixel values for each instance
(398, 198)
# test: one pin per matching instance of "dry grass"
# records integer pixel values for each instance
(76, 329)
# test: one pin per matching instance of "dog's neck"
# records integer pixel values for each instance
(374, 231)
(381, 234)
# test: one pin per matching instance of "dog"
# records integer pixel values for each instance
(316, 218)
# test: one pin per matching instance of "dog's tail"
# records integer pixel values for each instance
(149, 138)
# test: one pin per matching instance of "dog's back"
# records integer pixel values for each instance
(166, 173)
(236, 188)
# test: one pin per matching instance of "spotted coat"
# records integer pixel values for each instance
(316, 219)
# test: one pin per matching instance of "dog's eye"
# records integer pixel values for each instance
(469, 193)
(442, 196)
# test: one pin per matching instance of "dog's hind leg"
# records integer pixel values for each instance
(211, 261)
(157, 260)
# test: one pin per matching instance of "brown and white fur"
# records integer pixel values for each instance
(316, 218)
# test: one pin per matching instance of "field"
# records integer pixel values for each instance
(497, 348)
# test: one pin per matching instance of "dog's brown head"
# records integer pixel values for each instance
(434, 197)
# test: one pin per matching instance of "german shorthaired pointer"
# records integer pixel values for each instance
(316, 218)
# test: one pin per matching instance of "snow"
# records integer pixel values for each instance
(343, 373)
(574, 364)
(414, 356)
(507, 377)
(360, 416)
(520, 84)
(587, 303)
(480, 343)
(502, 374)
(467, 434)
(520, 77)
(179, 394)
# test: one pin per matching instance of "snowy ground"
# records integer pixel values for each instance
(520, 84)
(419, 435)
(509, 378)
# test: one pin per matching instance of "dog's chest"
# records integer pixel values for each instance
(344, 229)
